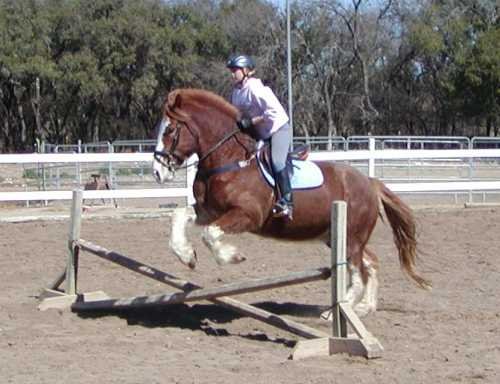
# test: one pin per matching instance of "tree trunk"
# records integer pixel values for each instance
(332, 129)
(4, 139)
(35, 104)
(22, 121)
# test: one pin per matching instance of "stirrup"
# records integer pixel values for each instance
(282, 209)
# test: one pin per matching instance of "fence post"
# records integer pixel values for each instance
(44, 176)
(110, 166)
(190, 176)
(339, 265)
(58, 171)
(371, 160)
(78, 165)
(74, 235)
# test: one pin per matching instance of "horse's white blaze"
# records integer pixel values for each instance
(178, 240)
(223, 253)
(368, 303)
(160, 172)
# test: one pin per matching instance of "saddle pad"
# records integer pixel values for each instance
(306, 174)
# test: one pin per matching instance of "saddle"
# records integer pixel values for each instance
(304, 174)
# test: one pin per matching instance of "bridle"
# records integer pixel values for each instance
(170, 154)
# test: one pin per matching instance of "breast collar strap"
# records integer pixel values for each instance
(236, 166)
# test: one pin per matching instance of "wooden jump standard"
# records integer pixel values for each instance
(319, 343)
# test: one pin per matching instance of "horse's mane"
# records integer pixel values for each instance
(199, 97)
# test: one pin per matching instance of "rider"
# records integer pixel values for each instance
(264, 118)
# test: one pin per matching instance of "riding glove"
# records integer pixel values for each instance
(245, 124)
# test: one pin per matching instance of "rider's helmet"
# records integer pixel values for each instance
(240, 61)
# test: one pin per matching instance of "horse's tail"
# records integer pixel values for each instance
(403, 226)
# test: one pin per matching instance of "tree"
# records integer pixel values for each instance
(25, 66)
(457, 58)
(100, 69)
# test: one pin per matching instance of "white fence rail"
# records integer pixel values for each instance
(46, 158)
(98, 194)
(371, 156)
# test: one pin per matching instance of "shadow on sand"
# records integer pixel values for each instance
(207, 318)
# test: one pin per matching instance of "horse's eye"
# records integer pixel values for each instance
(168, 131)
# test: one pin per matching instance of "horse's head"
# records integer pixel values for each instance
(177, 139)
(192, 122)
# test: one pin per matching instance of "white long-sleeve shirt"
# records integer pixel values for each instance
(253, 99)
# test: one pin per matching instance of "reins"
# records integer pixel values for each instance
(219, 144)
(205, 156)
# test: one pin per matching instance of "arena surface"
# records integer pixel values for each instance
(450, 335)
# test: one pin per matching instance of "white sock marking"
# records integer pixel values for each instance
(223, 253)
(178, 240)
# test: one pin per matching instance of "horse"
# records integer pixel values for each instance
(232, 196)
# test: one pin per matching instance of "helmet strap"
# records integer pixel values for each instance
(246, 74)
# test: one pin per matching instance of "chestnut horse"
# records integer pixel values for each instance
(233, 197)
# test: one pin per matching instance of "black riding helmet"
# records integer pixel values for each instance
(240, 61)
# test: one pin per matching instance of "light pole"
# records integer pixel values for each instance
(289, 69)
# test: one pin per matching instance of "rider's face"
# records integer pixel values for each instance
(237, 75)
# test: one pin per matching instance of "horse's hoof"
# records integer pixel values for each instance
(193, 261)
(238, 258)
(186, 255)
(363, 310)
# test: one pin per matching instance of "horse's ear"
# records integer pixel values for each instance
(174, 99)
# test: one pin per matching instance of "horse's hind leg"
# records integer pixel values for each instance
(356, 270)
(234, 221)
(363, 290)
(368, 303)
(178, 240)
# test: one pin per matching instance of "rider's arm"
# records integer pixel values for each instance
(273, 114)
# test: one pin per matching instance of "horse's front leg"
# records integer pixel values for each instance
(178, 240)
(235, 220)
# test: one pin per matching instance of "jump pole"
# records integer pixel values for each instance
(56, 299)
(321, 344)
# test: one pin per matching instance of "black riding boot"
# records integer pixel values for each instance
(284, 206)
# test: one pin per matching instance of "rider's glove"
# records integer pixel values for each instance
(245, 124)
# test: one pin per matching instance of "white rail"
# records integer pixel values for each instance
(39, 158)
(386, 154)
(370, 155)
(451, 186)
(97, 194)
(406, 154)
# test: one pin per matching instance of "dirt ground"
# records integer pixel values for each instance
(449, 335)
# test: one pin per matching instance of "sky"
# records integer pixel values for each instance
(280, 3)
